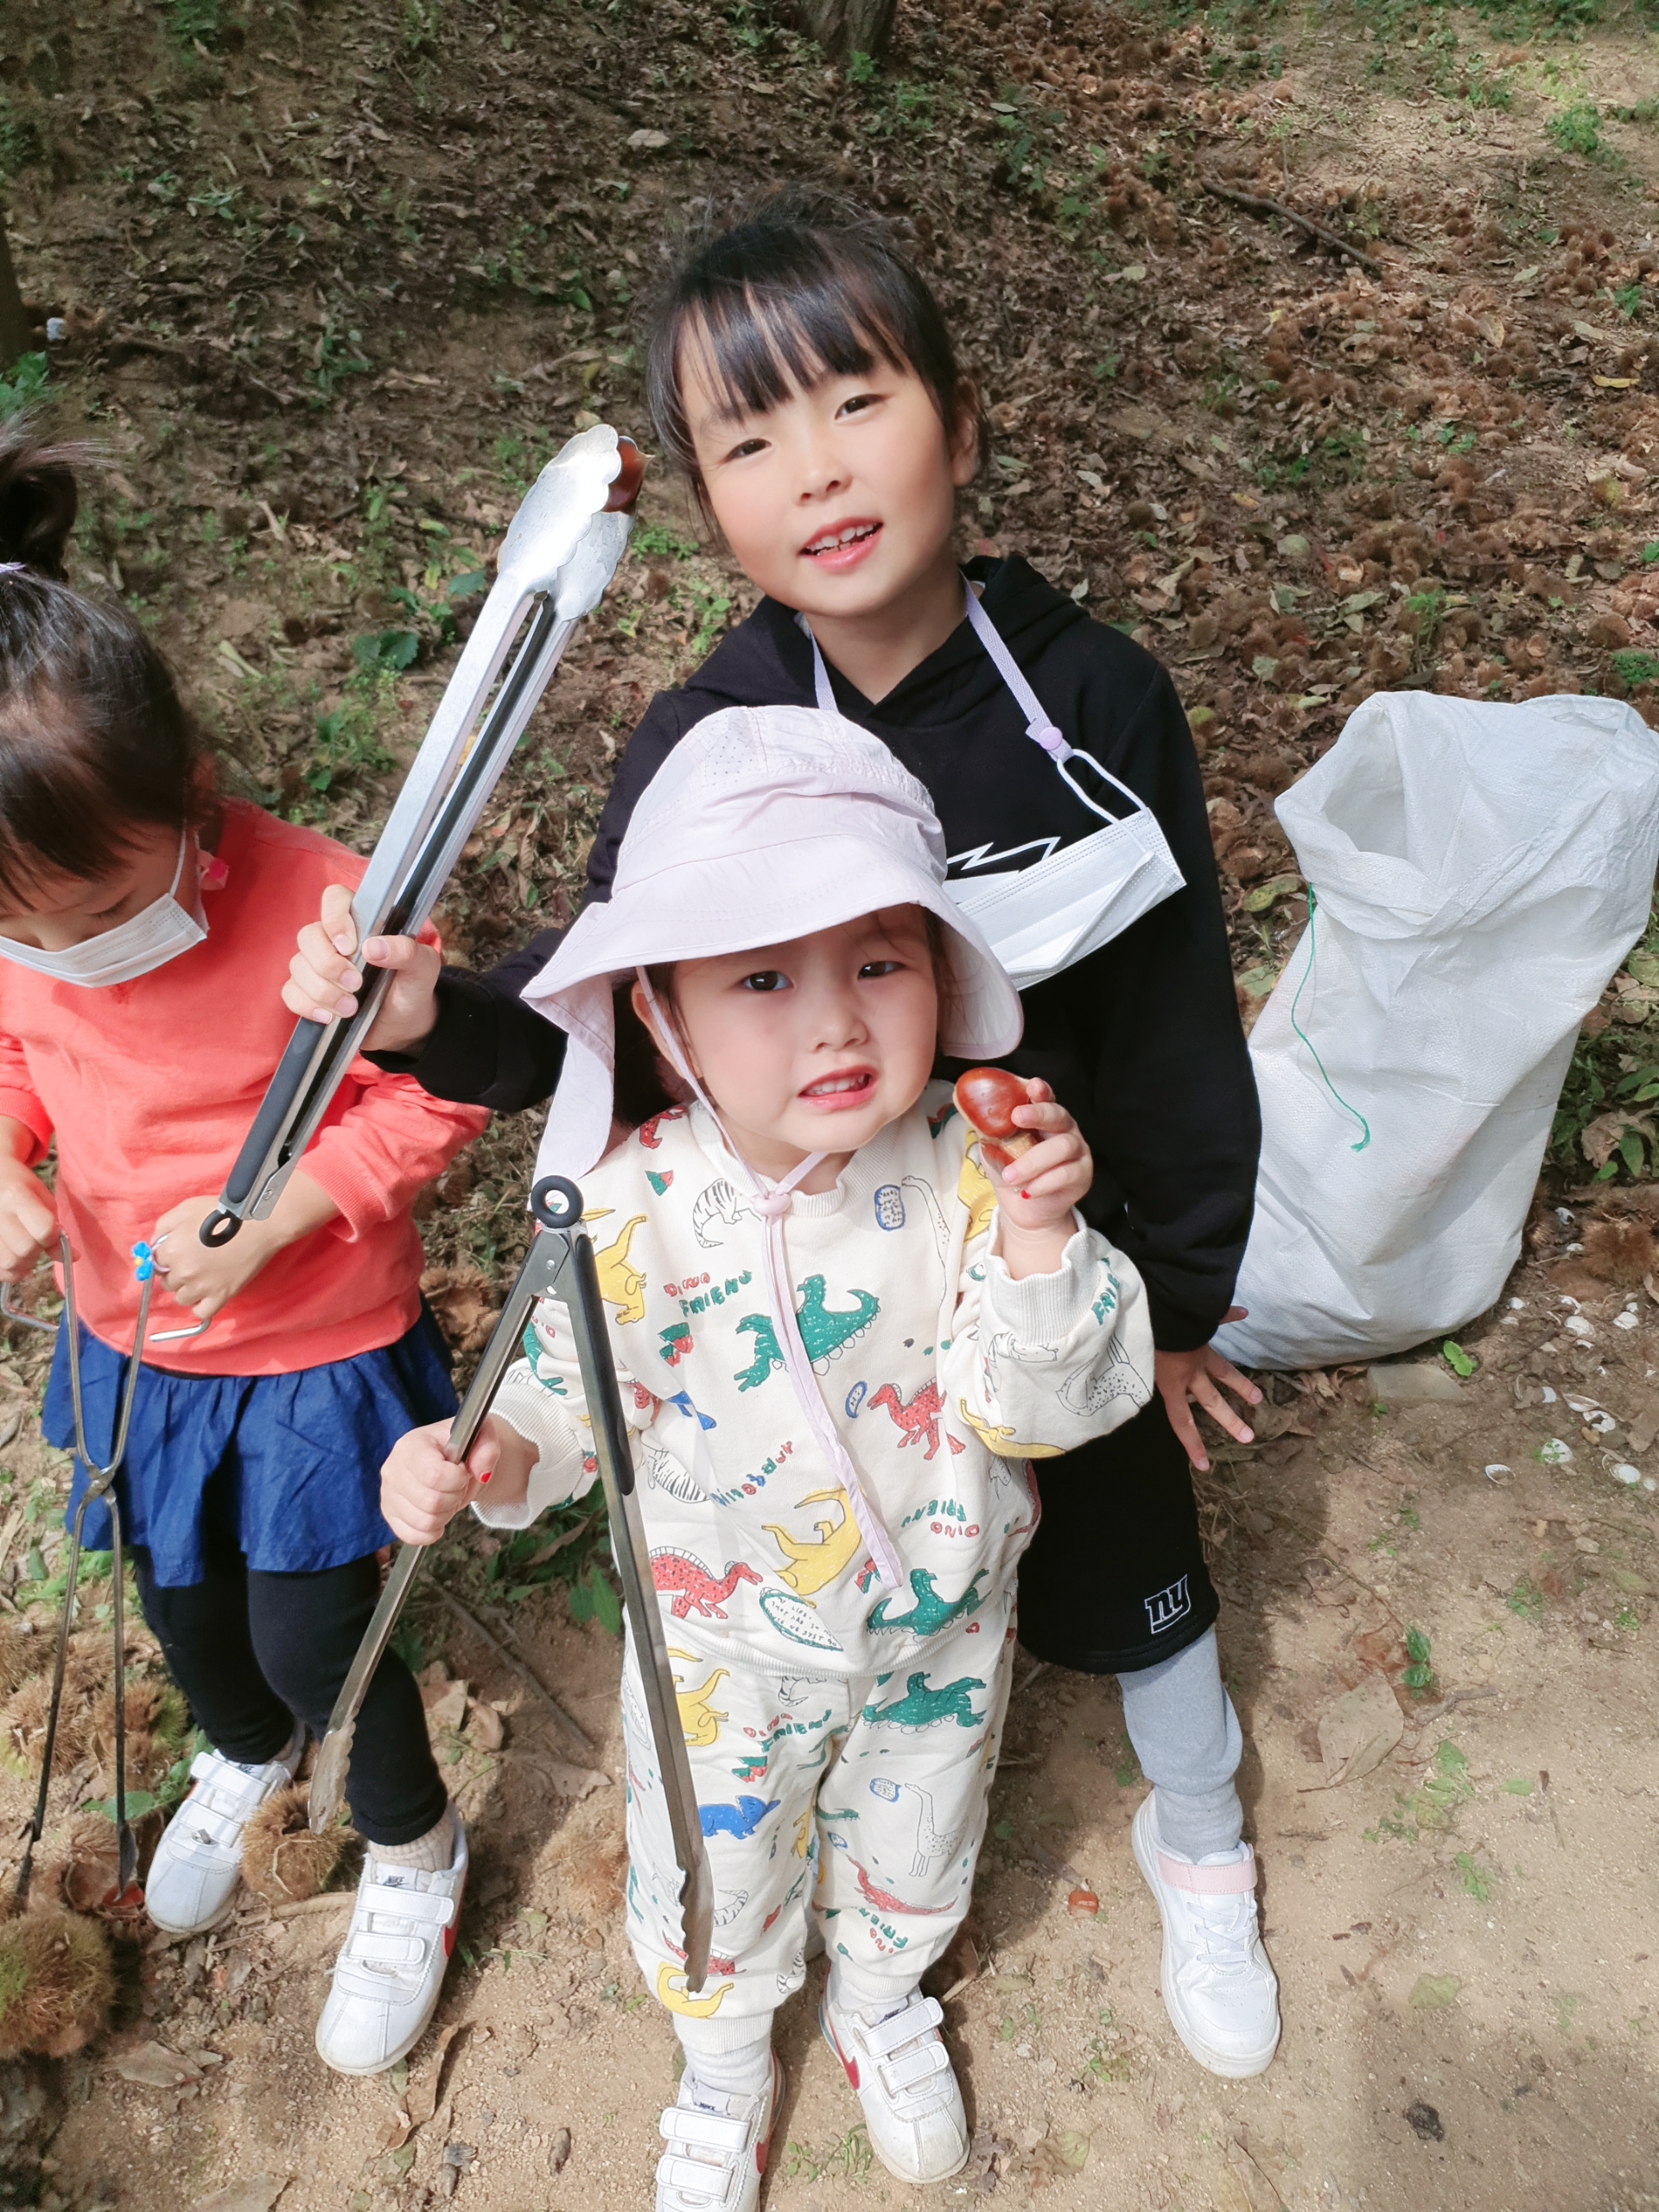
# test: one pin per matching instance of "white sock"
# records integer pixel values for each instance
(872, 2015)
(431, 1853)
(745, 2072)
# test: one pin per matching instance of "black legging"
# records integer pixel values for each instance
(254, 1652)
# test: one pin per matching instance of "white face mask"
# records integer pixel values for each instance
(1040, 920)
(148, 939)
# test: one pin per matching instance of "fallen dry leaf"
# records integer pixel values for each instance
(449, 1709)
(484, 1725)
(422, 2101)
(258, 2194)
(153, 2066)
(1257, 2191)
(1358, 1730)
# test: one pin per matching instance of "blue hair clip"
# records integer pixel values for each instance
(146, 1259)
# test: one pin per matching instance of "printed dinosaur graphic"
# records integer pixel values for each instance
(741, 1819)
(541, 1363)
(811, 1565)
(885, 1901)
(924, 1191)
(923, 1707)
(930, 1613)
(931, 1841)
(974, 1190)
(920, 1418)
(672, 1993)
(1001, 1440)
(694, 1588)
(796, 1618)
(620, 1283)
(699, 1722)
(662, 1471)
(648, 1131)
(715, 1202)
(824, 1330)
(1119, 1378)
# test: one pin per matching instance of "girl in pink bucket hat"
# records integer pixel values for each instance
(841, 1337)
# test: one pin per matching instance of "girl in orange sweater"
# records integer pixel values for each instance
(144, 928)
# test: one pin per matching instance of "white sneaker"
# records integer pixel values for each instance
(389, 1971)
(717, 2148)
(902, 2075)
(1220, 1991)
(193, 1878)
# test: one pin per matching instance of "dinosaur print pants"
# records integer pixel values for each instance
(862, 1800)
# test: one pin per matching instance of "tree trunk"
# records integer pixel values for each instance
(843, 28)
(14, 330)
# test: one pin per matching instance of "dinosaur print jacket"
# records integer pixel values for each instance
(942, 1373)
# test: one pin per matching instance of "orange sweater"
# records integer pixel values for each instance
(149, 1088)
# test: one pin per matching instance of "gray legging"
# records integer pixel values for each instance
(1187, 1739)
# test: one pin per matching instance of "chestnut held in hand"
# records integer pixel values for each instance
(986, 1098)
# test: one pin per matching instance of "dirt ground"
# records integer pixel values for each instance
(333, 281)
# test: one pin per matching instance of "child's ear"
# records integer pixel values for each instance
(967, 435)
(641, 1005)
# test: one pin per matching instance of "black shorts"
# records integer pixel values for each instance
(1114, 1579)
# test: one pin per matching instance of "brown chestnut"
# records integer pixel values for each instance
(986, 1098)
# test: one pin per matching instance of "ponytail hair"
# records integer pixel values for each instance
(94, 739)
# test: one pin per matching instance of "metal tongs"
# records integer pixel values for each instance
(555, 562)
(100, 1487)
(559, 1264)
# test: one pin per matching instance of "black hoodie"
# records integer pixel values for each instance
(1141, 1040)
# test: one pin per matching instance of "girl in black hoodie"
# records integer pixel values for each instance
(802, 375)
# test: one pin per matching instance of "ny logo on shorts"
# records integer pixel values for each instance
(1169, 1606)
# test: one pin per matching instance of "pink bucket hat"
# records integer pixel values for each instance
(764, 824)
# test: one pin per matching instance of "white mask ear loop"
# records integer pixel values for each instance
(772, 1202)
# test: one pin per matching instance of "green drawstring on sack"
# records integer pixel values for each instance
(1364, 1125)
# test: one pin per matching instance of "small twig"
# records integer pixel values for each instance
(330, 1901)
(519, 1667)
(1458, 1697)
(1256, 205)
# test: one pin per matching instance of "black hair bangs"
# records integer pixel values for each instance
(805, 289)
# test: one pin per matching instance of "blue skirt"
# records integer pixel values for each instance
(300, 1453)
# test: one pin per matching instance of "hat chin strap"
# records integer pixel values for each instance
(773, 1203)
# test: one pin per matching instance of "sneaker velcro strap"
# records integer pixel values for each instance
(373, 1946)
(910, 2069)
(1210, 1881)
(704, 2131)
(408, 1905)
(920, 2014)
(704, 2184)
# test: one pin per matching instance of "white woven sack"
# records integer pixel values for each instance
(1479, 872)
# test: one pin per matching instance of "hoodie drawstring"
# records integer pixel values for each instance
(773, 1203)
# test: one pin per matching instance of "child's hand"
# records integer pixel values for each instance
(28, 1220)
(1038, 1191)
(422, 1489)
(205, 1277)
(323, 983)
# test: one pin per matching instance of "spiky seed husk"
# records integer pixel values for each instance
(157, 1726)
(22, 1718)
(82, 1866)
(56, 1982)
(1620, 1250)
(281, 1860)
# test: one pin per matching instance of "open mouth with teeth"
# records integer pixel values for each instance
(847, 1089)
(855, 533)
